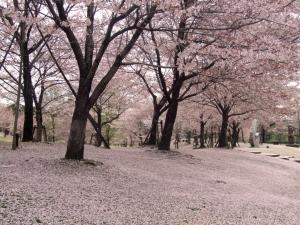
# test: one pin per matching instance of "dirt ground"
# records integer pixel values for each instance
(144, 186)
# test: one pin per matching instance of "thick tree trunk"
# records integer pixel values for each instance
(202, 135)
(39, 124)
(166, 137)
(28, 96)
(223, 132)
(75, 147)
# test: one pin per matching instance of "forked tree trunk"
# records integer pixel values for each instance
(99, 136)
(223, 132)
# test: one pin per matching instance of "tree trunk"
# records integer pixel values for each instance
(235, 134)
(223, 132)
(154, 127)
(165, 141)
(101, 139)
(28, 96)
(243, 137)
(45, 134)
(202, 135)
(99, 136)
(211, 138)
(108, 135)
(39, 123)
(99, 128)
(188, 137)
(53, 127)
(98, 140)
(131, 143)
(291, 135)
(166, 137)
(75, 147)
(15, 141)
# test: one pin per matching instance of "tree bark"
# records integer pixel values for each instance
(99, 136)
(39, 124)
(75, 147)
(101, 139)
(15, 141)
(154, 127)
(99, 130)
(28, 95)
(235, 134)
(223, 132)
(166, 137)
(202, 134)
(211, 137)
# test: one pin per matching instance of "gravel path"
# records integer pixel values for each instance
(147, 187)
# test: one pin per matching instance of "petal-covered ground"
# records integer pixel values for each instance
(143, 186)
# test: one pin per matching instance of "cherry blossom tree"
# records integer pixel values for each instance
(120, 23)
(19, 16)
(197, 44)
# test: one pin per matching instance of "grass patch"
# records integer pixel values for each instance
(7, 139)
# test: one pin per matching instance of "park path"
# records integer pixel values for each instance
(277, 151)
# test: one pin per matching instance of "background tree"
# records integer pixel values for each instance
(23, 14)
